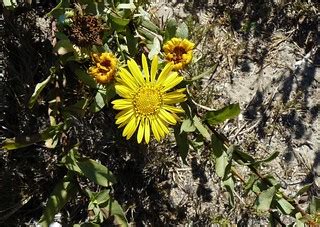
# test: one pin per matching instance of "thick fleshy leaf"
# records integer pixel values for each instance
(187, 126)
(103, 97)
(198, 124)
(155, 49)
(182, 31)
(171, 28)
(62, 193)
(268, 159)
(314, 206)
(285, 206)
(182, 143)
(219, 116)
(118, 21)
(265, 198)
(25, 141)
(83, 76)
(114, 209)
(39, 87)
(96, 172)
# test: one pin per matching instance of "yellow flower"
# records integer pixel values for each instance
(147, 103)
(105, 67)
(179, 52)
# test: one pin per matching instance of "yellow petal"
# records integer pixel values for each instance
(140, 131)
(155, 130)
(128, 79)
(164, 73)
(167, 117)
(135, 71)
(158, 127)
(171, 83)
(147, 130)
(163, 126)
(124, 91)
(173, 109)
(121, 104)
(154, 68)
(145, 68)
(130, 128)
(174, 95)
(124, 116)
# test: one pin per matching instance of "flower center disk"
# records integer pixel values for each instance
(177, 53)
(147, 101)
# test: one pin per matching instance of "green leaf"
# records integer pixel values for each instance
(132, 42)
(302, 190)
(25, 141)
(130, 6)
(150, 26)
(99, 101)
(268, 159)
(149, 35)
(39, 87)
(117, 20)
(208, 72)
(96, 172)
(93, 7)
(230, 185)
(299, 220)
(102, 196)
(78, 109)
(222, 164)
(62, 193)
(83, 76)
(114, 209)
(86, 225)
(61, 35)
(314, 206)
(171, 28)
(182, 31)
(265, 198)
(222, 159)
(250, 182)
(70, 160)
(272, 180)
(59, 9)
(285, 206)
(217, 146)
(63, 47)
(187, 126)
(155, 49)
(242, 157)
(182, 143)
(11, 4)
(204, 132)
(219, 116)
(102, 98)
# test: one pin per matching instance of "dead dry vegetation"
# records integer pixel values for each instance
(267, 59)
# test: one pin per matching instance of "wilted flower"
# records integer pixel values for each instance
(86, 31)
(147, 103)
(179, 52)
(105, 67)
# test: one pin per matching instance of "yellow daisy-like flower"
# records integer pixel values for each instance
(179, 52)
(147, 103)
(105, 67)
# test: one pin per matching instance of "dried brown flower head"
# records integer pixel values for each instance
(86, 30)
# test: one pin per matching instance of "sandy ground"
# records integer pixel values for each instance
(276, 82)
